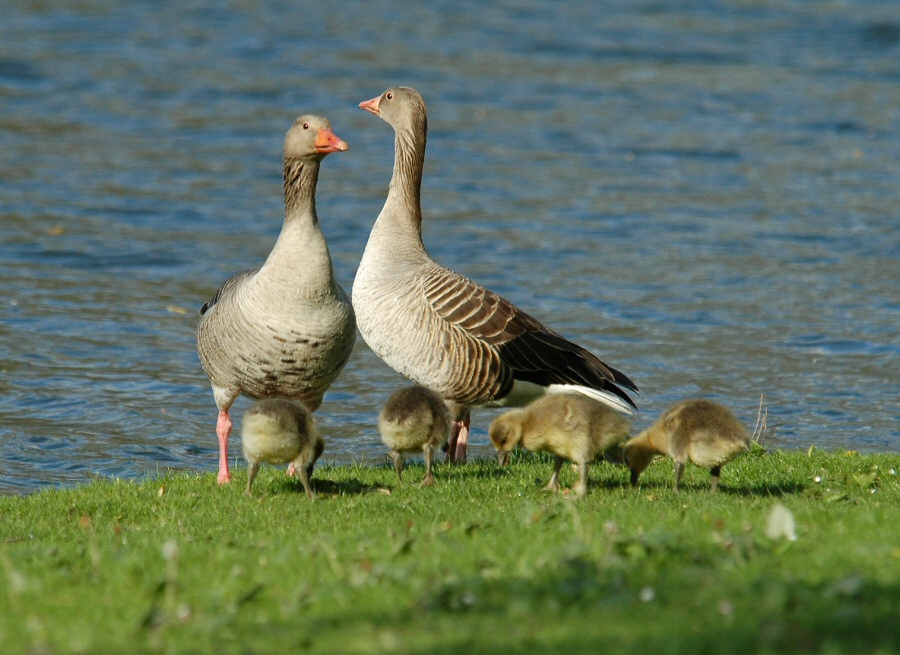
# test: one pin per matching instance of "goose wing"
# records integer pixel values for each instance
(532, 351)
(226, 288)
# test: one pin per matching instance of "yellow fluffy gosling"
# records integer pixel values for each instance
(569, 425)
(414, 419)
(277, 431)
(701, 431)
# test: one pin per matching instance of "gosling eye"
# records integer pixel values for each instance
(306, 126)
(389, 95)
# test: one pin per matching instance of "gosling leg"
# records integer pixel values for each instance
(553, 485)
(580, 488)
(715, 472)
(398, 464)
(428, 480)
(679, 469)
(304, 478)
(251, 475)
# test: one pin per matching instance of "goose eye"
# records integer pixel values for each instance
(306, 126)
(389, 96)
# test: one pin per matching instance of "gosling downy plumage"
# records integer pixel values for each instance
(701, 431)
(285, 329)
(414, 419)
(441, 329)
(568, 425)
(278, 431)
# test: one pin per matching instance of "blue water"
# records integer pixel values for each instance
(703, 193)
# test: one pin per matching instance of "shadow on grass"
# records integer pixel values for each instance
(776, 490)
(769, 490)
(478, 470)
(324, 487)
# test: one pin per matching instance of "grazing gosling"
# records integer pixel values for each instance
(413, 419)
(701, 431)
(569, 425)
(276, 431)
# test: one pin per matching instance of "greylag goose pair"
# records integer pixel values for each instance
(285, 329)
(441, 329)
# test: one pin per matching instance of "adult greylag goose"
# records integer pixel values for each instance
(441, 329)
(287, 328)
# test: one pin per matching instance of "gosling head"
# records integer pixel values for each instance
(637, 458)
(506, 433)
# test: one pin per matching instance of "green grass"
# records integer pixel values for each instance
(483, 562)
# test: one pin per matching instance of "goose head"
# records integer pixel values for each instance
(400, 107)
(311, 136)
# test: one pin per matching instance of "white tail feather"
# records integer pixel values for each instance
(524, 392)
(599, 395)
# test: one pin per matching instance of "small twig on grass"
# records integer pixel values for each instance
(762, 415)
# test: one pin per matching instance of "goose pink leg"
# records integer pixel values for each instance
(459, 438)
(463, 439)
(223, 429)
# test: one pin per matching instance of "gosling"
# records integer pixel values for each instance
(568, 425)
(277, 431)
(414, 419)
(701, 431)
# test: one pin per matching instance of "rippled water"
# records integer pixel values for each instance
(703, 193)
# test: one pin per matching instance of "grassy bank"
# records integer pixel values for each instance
(484, 562)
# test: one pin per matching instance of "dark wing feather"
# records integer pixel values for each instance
(230, 283)
(544, 357)
(534, 352)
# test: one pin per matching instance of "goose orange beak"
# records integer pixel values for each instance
(327, 141)
(371, 106)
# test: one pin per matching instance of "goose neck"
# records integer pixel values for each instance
(409, 161)
(300, 178)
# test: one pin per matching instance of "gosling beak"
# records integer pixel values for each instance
(327, 141)
(371, 106)
(503, 457)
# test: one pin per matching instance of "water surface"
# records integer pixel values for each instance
(703, 193)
